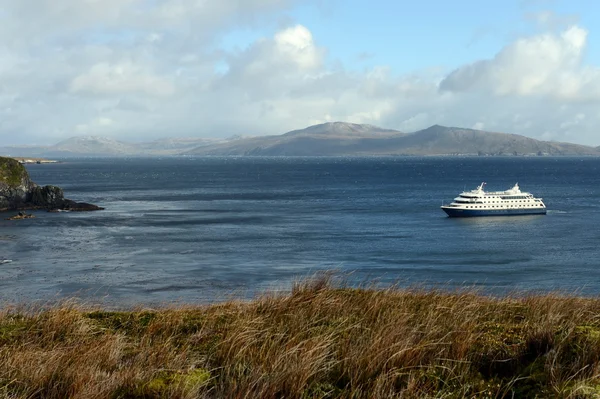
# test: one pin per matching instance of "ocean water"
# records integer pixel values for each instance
(206, 229)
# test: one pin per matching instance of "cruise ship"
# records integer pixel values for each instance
(495, 203)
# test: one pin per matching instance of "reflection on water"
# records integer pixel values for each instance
(515, 220)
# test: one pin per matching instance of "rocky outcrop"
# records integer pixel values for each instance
(18, 192)
(15, 184)
(20, 216)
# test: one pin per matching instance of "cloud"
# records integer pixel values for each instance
(121, 78)
(144, 69)
(543, 65)
(290, 52)
(296, 45)
(28, 21)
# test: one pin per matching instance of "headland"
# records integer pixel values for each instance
(18, 192)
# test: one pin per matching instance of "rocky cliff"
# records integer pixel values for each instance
(17, 191)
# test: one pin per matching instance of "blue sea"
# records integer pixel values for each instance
(198, 230)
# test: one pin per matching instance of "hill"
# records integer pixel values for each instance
(95, 146)
(342, 130)
(452, 140)
(326, 139)
(339, 138)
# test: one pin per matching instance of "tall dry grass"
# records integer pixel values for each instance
(320, 341)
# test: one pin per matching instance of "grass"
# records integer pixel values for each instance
(323, 340)
(11, 172)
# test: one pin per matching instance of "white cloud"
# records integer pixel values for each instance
(543, 65)
(260, 69)
(296, 44)
(28, 21)
(135, 69)
(121, 78)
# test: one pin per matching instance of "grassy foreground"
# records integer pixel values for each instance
(318, 342)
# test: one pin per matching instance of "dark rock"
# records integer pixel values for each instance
(73, 206)
(50, 197)
(17, 191)
(21, 215)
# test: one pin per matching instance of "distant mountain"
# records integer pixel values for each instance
(94, 146)
(339, 138)
(452, 140)
(342, 130)
(172, 146)
(327, 139)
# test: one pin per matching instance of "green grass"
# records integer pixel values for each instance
(11, 172)
(321, 341)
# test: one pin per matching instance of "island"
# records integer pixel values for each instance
(18, 192)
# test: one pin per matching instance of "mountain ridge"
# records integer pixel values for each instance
(368, 140)
(104, 146)
(325, 139)
(343, 129)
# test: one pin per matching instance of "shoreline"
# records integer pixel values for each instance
(29, 160)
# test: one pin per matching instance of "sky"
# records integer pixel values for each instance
(140, 70)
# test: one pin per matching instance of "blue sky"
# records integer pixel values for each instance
(146, 69)
(413, 36)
